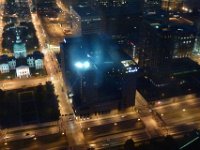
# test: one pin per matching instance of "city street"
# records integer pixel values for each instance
(183, 116)
(22, 83)
(70, 128)
(50, 142)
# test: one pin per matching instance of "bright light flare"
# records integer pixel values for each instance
(84, 65)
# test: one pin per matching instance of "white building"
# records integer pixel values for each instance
(4, 68)
(23, 71)
(39, 64)
(30, 62)
(12, 63)
(21, 62)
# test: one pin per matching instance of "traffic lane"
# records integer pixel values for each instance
(46, 142)
(23, 83)
(136, 135)
(112, 128)
(119, 139)
(178, 121)
(181, 115)
(180, 129)
(177, 105)
(179, 112)
(110, 119)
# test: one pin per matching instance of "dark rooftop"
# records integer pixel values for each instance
(108, 65)
(98, 49)
(180, 78)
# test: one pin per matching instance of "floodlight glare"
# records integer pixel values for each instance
(79, 65)
(86, 64)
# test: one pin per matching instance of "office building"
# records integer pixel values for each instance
(172, 5)
(87, 20)
(164, 40)
(101, 76)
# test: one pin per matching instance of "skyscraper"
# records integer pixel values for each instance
(163, 41)
(101, 75)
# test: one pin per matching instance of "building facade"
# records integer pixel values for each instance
(87, 20)
(163, 41)
(101, 76)
(172, 5)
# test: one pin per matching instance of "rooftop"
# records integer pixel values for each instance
(103, 66)
(99, 50)
(180, 78)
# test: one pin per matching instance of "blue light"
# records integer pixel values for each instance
(82, 65)
(86, 64)
(79, 65)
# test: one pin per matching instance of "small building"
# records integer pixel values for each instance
(38, 60)
(22, 68)
(4, 67)
(12, 63)
(30, 61)
(22, 71)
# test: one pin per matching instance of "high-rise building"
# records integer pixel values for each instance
(163, 41)
(172, 5)
(87, 20)
(101, 76)
(123, 22)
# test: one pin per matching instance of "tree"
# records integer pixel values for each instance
(129, 145)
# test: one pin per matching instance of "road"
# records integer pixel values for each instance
(50, 142)
(71, 129)
(22, 83)
(180, 116)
